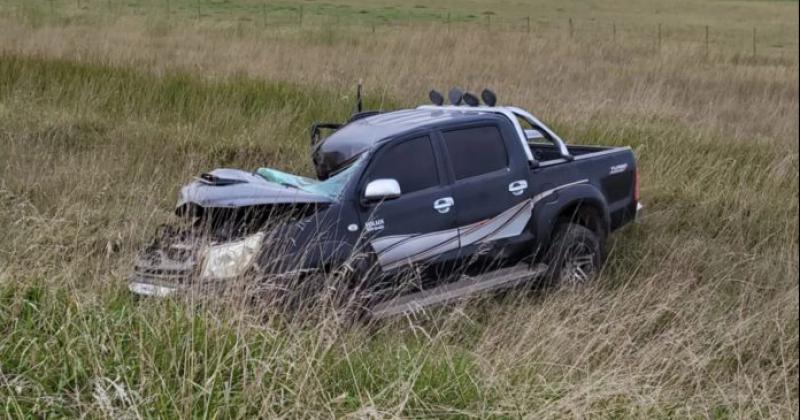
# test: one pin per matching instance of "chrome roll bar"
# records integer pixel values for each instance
(512, 113)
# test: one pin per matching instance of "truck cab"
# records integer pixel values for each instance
(465, 181)
(455, 172)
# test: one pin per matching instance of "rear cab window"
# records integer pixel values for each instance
(411, 162)
(475, 151)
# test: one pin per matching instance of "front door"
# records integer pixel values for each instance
(420, 224)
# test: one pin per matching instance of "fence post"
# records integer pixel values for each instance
(528, 24)
(659, 37)
(199, 15)
(300, 16)
(754, 41)
(706, 41)
(571, 29)
(264, 14)
(614, 31)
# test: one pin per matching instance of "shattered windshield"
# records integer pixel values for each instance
(331, 187)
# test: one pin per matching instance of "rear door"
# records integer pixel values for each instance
(420, 224)
(489, 184)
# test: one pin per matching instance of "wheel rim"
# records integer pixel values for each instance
(579, 265)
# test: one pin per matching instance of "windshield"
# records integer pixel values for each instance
(331, 187)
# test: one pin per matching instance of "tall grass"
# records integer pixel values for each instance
(723, 26)
(696, 313)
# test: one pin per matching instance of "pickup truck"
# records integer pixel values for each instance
(437, 189)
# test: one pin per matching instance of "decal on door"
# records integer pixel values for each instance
(373, 225)
(396, 250)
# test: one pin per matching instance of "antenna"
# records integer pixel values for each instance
(436, 97)
(471, 99)
(359, 102)
(489, 98)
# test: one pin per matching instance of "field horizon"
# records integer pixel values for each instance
(107, 108)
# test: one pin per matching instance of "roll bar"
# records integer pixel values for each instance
(535, 123)
(512, 113)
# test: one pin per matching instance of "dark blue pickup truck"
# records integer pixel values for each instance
(487, 192)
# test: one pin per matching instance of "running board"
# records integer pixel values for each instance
(468, 285)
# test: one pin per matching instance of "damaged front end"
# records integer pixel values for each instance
(169, 263)
(227, 221)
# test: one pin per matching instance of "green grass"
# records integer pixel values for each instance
(62, 356)
(99, 98)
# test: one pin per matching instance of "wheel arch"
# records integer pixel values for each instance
(581, 204)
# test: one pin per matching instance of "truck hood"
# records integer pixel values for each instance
(229, 188)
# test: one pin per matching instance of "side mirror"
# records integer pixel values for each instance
(382, 189)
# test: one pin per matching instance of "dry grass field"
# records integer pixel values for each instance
(106, 111)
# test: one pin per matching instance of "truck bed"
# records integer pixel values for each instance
(610, 169)
(548, 152)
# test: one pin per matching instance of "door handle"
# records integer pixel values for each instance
(518, 187)
(443, 205)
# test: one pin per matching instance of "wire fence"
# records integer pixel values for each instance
(771, 39)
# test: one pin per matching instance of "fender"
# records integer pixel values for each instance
(314, 256)
(327, 253)
(546, 212)
(313, 242)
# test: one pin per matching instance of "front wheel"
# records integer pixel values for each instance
(574, 256)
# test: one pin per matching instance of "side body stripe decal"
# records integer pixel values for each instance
(396, 250)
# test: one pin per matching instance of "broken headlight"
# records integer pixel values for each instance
(231, 259)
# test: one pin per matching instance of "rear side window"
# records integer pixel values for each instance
(411, 163)
(475, 151)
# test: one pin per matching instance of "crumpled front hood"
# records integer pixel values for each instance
(235, 188)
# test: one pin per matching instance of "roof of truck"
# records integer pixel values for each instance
(365, 132)
(360, 135)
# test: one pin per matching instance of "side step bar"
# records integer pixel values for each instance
(468, 285)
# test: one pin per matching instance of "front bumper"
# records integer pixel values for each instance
(144, 287)
(162, 272)
(163, 286)
(174, 265)
(153, 290)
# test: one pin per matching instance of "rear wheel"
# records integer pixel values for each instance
(575, 255)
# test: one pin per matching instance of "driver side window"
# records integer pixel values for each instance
(411, 162)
